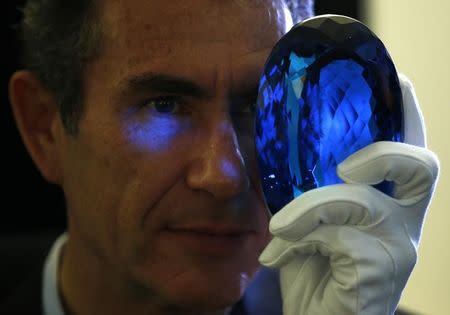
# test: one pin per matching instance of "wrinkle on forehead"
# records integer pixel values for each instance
(246, 21)
(162, 52)
(177, 36)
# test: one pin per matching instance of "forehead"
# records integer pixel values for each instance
(156, 27)
(203, 40)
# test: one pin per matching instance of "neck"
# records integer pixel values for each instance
(89, 285)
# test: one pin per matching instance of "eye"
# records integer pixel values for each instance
(243, 117)
(248, 108)
(163, 104)
(251, 108)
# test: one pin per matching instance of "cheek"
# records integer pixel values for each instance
(156, 134)
(152, 151)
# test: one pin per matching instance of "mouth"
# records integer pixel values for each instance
(209, 240)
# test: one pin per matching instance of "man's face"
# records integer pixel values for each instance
(161, 181)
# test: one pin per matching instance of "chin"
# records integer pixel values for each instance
(199, 291)
(209, 293)
(188, 280)
(205, 302)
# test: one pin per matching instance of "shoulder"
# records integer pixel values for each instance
(25, 299)
(21, 270)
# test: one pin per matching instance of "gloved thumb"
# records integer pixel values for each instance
(413, 169)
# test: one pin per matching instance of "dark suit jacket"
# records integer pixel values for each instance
(21, 265)
(26, 298)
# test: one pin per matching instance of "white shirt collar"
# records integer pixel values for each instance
(50, 292)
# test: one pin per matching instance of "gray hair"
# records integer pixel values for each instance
(61, 37)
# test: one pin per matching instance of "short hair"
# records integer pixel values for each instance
(61, 37)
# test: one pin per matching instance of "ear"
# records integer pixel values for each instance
(37, 117)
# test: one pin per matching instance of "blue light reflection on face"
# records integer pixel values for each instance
(156, 133)
(229, 169)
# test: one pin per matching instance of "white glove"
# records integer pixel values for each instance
(349, 248)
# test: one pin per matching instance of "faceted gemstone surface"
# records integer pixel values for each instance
(328, 88)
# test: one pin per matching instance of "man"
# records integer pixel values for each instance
(142, 112)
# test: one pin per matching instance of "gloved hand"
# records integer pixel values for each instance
(349, 248)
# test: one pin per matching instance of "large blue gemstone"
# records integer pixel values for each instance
(328, 88)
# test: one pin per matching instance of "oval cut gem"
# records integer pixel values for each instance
(328, 89)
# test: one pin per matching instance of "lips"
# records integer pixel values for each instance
(209, 240)
(213, 230)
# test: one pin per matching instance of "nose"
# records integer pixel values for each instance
(218, 166)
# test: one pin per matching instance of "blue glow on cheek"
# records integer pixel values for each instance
(230, 170)
(155, 134)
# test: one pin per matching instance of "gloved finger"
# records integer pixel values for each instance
(414, 126)
(342, 204)
(277, 247)
(279, 253)
(355, 259)
(344, 245)
(412, 168)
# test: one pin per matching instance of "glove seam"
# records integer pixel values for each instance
(393, 276)
(336, 252)
(291, 293)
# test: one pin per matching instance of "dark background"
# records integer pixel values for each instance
(29, 203)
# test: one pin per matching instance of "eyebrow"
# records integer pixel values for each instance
(164, 83)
